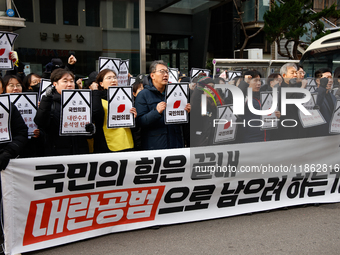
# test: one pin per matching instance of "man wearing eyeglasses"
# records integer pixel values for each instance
(289, 72)
(150, 105)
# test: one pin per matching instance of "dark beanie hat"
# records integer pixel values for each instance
(185, 79)
(204, 81)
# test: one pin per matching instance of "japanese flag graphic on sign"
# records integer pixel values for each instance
(224, 131)
(120, 103)
(6, 43)
(176, 99)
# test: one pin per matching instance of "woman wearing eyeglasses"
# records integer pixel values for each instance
(33, 148)
(108, 139)
(32, 82)
(12, 84)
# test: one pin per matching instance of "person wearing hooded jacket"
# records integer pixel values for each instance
(150, 105)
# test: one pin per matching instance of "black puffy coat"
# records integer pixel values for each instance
(155, 133)
(19, 134)
(48, 119)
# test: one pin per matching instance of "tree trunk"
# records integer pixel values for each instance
(247, 37)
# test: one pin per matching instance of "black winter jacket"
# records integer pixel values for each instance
(48, 119)
(155, 133)
(19, 134)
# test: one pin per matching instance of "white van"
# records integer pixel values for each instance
(324, 52)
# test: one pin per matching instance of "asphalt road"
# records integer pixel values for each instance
(298, 230)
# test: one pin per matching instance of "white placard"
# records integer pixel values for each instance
(334, 127)
(109, 63)
(316, 118)
(312, 88)
(6, 43)
(196, 71)
(75, 111)
(119, 105)
(224, 131)
(173, 75)
(269, 121)
(123, 76)
(5, 128)
(233, 74)
(27, 106)
(44, 85)
(132, 80)
(176, 96)
(311, 82)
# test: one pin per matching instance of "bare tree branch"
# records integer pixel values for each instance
(247, 37)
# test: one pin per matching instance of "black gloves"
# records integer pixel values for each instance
(323, 82)
(294, 83)
(4, 159)
(91, 128)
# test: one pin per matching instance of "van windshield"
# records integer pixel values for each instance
(316, 59)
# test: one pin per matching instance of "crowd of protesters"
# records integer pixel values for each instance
(151, 132)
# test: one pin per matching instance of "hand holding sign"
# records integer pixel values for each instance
(176, 105)
(161, 107)
(187, 107)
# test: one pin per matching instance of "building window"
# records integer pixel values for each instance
(25, 9)
(92, 9)
(47, 11)
(70, 12)
(136, 15)
(119, 14)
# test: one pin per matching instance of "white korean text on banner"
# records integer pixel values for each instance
(198, 72)
(316, 118)
(123, 77)
(119, 104)
(176, 97)
(44, 85)
(27, 106)
(75, 111)
(6, 43)
(224, 131)
(58, 200)
(269, 121)
(5, 128)
(334, 127)
(173, 75)
(109, 63)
